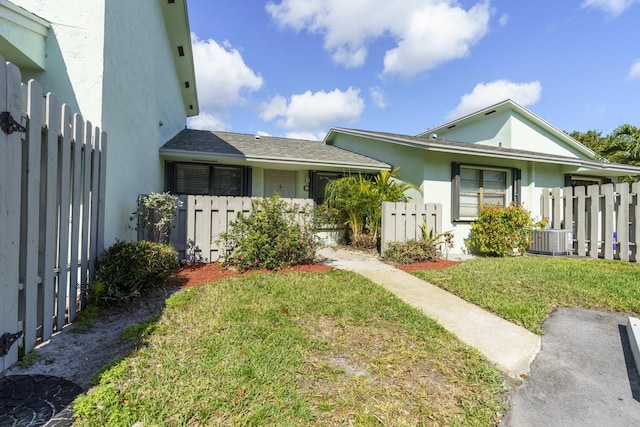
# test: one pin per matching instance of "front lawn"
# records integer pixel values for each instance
(326, 348)
(526, 289)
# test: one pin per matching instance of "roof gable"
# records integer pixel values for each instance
(510, 125)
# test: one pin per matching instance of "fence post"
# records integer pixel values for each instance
(387, 231)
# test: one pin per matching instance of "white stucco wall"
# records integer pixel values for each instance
(509, 129)
(432, 170)
(74, 62)
(140, 91)
(111, 60)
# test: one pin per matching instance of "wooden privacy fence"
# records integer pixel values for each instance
(604, 219)
(202, 219)
(52, 177)
(404, 221)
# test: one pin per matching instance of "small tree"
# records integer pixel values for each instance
(155, 216)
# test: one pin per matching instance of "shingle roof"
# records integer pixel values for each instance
(265, 148)
(441, 145)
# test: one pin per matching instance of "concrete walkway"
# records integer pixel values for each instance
(511, 347)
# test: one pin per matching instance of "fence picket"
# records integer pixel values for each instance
(10, 178)
(622, 221)
(45, 213)
(50, 226)
(30, 224)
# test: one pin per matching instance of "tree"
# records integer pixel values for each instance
(625, 139)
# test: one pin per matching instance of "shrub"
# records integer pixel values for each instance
(500, 231)
(128, 269)
(273, 236)
(155, 215)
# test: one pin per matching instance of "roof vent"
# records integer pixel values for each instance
(433, 136)
(489, 112)
(257, 137)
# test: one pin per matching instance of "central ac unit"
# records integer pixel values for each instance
(551, 242)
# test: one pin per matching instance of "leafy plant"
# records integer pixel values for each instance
(155, 216)
(273, 236)
(501, 230)
(358, 200)
(128, 269)
(410, 251)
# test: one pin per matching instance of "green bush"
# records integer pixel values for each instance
(273, 236)
(501, 231)
(128, 269)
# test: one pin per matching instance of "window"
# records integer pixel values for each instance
(474, 186)
(205, 179)
(319, 181)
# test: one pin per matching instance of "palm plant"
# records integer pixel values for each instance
(359, 200)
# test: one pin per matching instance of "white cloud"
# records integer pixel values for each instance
(377, 96)
(427, 33)
(504, 20)
(612, 8)
(223, 79)
(634, 71)
(207, 121)
(309, 113)
(486, 94)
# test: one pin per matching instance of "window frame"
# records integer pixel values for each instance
(172, 178)
(511, 194)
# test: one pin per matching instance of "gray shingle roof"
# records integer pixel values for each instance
(249, 147)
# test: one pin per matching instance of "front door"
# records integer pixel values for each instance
(280, 182)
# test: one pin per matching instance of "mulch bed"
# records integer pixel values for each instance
(197, 274)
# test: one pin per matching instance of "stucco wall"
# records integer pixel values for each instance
(112, 62)
(74, 62)
(142, 106)
(432, 170)
(491, 130)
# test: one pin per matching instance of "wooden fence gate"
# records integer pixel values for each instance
(52, 177)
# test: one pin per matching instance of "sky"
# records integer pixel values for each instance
(296, 68)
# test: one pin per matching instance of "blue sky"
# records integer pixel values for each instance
(296, 68)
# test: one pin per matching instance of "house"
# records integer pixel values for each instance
(234, 164)
(498, 155)
(124, 65)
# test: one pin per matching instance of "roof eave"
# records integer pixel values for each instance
(198, 155)
(176, 19)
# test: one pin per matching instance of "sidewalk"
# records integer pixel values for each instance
(511, 347)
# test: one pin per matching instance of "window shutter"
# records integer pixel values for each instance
(517, 186)
(567, 180)
(455, 190)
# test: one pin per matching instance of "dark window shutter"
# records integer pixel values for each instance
(517, 186)
(567, 180)
(455, 190)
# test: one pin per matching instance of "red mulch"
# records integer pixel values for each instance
(197, 274)
(427, 265)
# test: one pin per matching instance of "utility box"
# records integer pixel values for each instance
(551, 242)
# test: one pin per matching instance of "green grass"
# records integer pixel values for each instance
(294, 349)
(526, 289)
